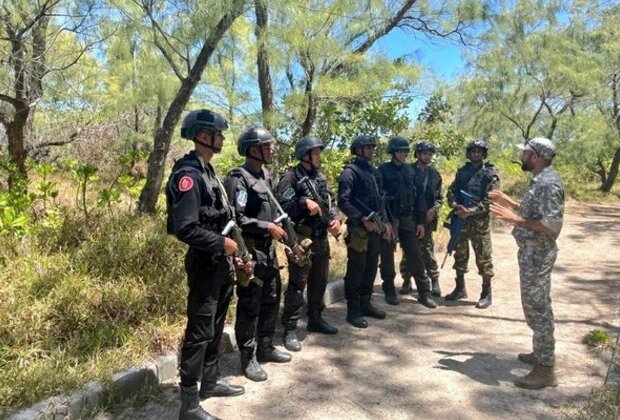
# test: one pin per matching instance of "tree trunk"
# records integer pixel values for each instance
(163, 135)
(612, 174)
(262, 62)
(15, 132)
(306, 127)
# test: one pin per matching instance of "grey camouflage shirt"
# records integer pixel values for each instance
(543, 201)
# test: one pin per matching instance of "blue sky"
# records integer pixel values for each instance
(442, 58)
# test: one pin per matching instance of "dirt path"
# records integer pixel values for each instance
(454, 362)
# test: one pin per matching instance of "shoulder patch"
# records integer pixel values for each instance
(186, 183)
(289, 193)
(242, 197)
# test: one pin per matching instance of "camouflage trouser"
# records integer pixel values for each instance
(535, 265)
(427, 246)
(478, 232)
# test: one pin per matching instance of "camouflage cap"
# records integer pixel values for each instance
(541, 146)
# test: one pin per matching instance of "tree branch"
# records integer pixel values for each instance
(13, 101)
(512, 120)
(157, 29)
(48, 5)
(535, 117)
(373, 37)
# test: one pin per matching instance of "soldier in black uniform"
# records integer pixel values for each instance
(197, 213)
(477, 179)
(258, 299)
(428, 184)
(299, 203)
(406, 210)
(359, 198)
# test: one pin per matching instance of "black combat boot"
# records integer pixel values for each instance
(266, 352)
(486, 295)
(354, 315)
(212, 385)
(317, 324)
(435, 289)
(368, 310)
(459, 291)
(190, 405)
(426, 300)
(406, 287)
(291, 341)
(250, 367)
(390, 295)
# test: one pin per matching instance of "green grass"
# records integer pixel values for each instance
(84, 301)
(603, 404)
(597, 338)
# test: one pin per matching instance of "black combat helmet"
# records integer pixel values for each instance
(253, 136)
(425, 146)
(398, 143)
(480, 144)
(306, 144)
(361, 141)
(202, 119)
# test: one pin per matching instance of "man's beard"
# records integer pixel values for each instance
(525, 167)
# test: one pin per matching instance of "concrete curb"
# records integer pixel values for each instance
(84, 402)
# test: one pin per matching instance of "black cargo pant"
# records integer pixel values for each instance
(210, 284)
(412, 258)
(314, 276)
(361, 268)
(258, 304)
(427, 246)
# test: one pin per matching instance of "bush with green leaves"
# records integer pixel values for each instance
(84, 300)
(597, 338)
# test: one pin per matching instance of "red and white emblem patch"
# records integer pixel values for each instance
(185, 184)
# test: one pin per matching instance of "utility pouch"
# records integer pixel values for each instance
(244, 279)
(304, 230)
(357, 238)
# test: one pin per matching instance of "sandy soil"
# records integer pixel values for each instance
(454, 362)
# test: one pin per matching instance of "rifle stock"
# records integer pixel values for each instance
(292, 241)
(300, 250)
(314, 195)
(234, 231)
(455, 225)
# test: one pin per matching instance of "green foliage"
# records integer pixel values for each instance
(436, 124)
(82, 301)
(547, 69)
(603, 403)
(339, 123)
(83, 175)
(597, 338)
(16, 205)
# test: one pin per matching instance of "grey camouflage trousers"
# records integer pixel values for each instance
(535, 266)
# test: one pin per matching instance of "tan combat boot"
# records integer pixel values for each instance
(540, 377)
(528, 358)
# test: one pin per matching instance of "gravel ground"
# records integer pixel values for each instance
(454, 362)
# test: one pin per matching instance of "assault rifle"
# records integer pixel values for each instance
(456, 224)
(311, 191)
(301, 250)
(373, 216)
(234, 231)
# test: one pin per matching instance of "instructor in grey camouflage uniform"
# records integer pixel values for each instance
(538, 221)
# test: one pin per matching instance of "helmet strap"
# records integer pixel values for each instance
(397, 159)
(306, 159)
(207, 145)
(260, 159)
